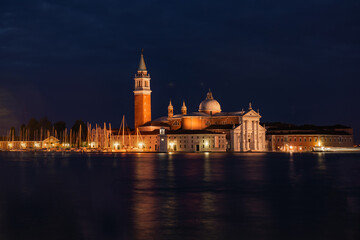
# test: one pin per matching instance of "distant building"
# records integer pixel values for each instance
(289, 137)
(17, 144)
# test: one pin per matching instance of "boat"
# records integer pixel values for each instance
(336, 149)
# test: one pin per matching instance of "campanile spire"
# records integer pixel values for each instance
(142, 66)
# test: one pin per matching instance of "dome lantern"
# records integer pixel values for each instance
(209, 105)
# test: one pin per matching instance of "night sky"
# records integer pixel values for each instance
(297, 61)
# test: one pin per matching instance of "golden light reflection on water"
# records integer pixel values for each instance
(89, 163)
(171, 169)
(207, 169)
(321, 161)
(208, 209)
(144, 204)
(292, 173)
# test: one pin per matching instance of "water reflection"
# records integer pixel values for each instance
(207, 168)
(179, 196)
(321, 161)
(144, 203)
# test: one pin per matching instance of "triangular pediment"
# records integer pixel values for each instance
(252, 113)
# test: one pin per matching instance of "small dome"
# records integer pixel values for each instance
(210, 105)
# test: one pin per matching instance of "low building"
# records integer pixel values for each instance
(162, 140)
(16, 144)
(196, 141)
(290, 137)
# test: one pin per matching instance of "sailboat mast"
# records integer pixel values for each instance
(80, 136)
(123, 131)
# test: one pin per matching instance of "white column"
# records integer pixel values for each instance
(242, 146)
(254, 135)
(246, 147)
(257, 135)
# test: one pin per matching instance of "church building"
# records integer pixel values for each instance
(224, 131)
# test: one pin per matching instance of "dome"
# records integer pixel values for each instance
(210, 105)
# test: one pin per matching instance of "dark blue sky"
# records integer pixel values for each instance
(298, 61)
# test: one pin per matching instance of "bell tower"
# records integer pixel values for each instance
(142, 94)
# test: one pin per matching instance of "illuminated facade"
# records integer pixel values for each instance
(241, 130)
(286, 137)
(50, 142)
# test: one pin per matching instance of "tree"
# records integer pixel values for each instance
(33, 126)
(76, 128)
(45, 124)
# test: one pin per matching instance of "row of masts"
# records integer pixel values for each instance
(96, 138)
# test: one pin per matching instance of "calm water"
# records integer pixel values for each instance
(179, 196)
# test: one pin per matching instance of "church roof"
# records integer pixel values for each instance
(142, 66)
(156, 123)
(183, 131)
(225, 126)
(200, 114)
